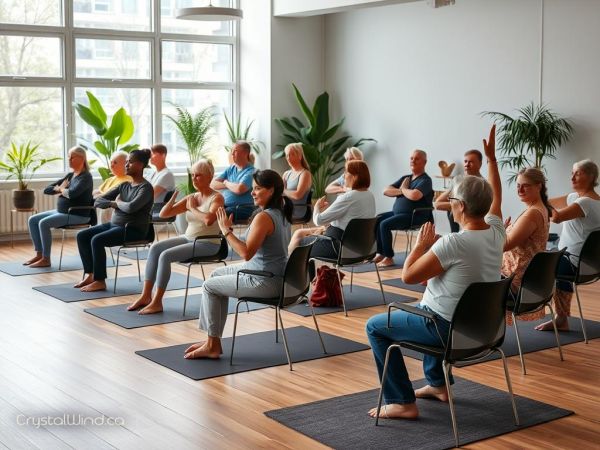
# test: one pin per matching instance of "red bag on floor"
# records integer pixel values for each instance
(326, 288)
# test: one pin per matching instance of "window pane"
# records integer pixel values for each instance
(137, 103)
(194, 100)
(29, 56)
(169, 24)
(32, 12)
(130, 15)
(102, 58)
(33, 114)
(191, 61)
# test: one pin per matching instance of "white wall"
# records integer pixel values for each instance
(416, 77)
(303, 8)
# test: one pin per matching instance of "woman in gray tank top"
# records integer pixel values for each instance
(298, 180)
(264, 247)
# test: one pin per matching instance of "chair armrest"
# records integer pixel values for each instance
(409, 309)
(259, 273)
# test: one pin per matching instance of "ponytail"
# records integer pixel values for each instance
(272, 180)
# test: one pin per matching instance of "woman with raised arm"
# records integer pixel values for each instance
(200, 210)
(338, 186)
(264, 249)
(449, 264)
(298, 180)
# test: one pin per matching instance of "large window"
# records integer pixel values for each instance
(133, 54)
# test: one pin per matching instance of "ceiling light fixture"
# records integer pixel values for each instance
(209, 13)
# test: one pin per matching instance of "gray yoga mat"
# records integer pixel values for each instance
(253, 351)
(397, 282)
(399, 259)
(125, 286)
(70, 262)
(482, 412)
(172, 312)
(534, 341)
(360, 297)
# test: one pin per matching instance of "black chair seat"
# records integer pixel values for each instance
(427, 349)
(263, 301)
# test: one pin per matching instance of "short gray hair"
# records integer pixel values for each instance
(119, 154)
(423, 153)
(476, 193)
(204, 166)
(590, 168)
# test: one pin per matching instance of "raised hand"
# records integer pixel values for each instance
(191, 202)
(322, 203)
(489, 146)
(225, 223)
(427, 237)
(405, 183)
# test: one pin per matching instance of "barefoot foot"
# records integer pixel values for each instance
(94, 286)
(32, 260)
(87, 280)
(561, 325)
(42, 262)
(386, 262)
(152, 308)
(204, 351)
(139, 303)
(440, 393)
(396, 411)
(377, 258)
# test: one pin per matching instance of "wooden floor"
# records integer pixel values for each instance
(55, 359)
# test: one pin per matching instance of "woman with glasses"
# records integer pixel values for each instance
(200, 210)
(449, 265)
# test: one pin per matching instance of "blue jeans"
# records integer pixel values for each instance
(92, 243)
(387, 222)
(405, 327)
(40, 228)
(565, 267)
(239, 213)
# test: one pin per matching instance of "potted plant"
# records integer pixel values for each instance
(526, 140)
(237, 132)
(111, 137)
(23, 162)
(195, 130)
(324, 151)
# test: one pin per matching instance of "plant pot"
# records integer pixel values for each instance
(23, 198)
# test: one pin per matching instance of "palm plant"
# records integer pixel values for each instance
(23, 162)
(324, 151)
(111, 137)
(237, 132)
(525, 141)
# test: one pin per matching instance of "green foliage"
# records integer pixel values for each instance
(111, 137)
(529, 138)
(23, 161)
(238, 132)
(324, 151)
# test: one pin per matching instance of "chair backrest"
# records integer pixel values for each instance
(420, 216)
(307, 207)
(296, 281)
(537, 284)
(359, 241)
(93, 217)
(168, 196)
(478, 323)
(588, 269)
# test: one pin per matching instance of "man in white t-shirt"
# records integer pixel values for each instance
(162, 179)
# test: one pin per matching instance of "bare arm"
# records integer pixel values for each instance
(442, 203)
(392, 191)
(489, 148)
(236, 188)
(573, 211)
(173, 208)
(217, 184)
(422, 264)
(208, 218)
(261, 227)
(334, 188)
(412, 194)
(304, 184)
(158, 191)
(558, 202)
(522, 230)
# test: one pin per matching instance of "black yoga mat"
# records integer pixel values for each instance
(399, 259)
(533, 340)
(70, 262)
(172, 312)
(482, 412)
(125, 286)
(397, 282)
(253, 351)
(360, 297)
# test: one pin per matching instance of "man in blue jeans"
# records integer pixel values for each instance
(412, 191)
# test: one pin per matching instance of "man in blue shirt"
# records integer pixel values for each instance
(235, 183)
(412, 191)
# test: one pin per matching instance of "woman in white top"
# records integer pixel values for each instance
(357, 203)
(579, 212)
(450, 264)
(200, 209)
(298, 180)
(338, 186)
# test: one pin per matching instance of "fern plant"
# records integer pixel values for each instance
(238, 132)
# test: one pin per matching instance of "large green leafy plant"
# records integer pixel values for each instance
(23, 162)
(238, 132)
(111, 137)
(526, 140)
(323, 149)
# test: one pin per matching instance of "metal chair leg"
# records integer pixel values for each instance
(187, 284)
(312, 311)
(237, 307)
(285, 344)
(62, 244)
(351, 277)
(556, 332)
(380, 284)
(383, 378)
(580, 314)
(451, 401)
(116, 271)
(509, 384)
(276, 327)
(523, 369)
(111, 254)
(202, 269)
(337, 269)
(137, 258)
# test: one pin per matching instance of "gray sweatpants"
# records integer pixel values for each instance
(164, 253)
(221, 285)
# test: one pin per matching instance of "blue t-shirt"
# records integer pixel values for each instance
(423, 184)
(236, 175)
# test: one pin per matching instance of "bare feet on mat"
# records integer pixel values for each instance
(562, 324)
(152, 308)
(396, 411)
(386, 262)
(377, 258)
(94, 286)
(36, 258)
(440, 393)
(89, 278)
(204, 350)
(42, 262)
(139, 303)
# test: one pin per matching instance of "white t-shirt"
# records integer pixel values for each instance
(575, 231)
(165, 179)
(469, 256)
(347, 206)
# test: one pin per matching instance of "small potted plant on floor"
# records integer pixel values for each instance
(22, 162)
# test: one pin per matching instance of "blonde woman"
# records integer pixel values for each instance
(338, 186)
(298, 180)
